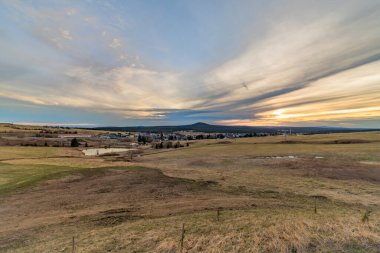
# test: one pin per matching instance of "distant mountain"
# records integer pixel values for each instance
(207, 128)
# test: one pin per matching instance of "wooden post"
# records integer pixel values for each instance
(315, 197)
(73, 249)
(366, 215)
(182, 236)
(217, 214)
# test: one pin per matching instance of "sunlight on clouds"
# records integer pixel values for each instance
(71, 12)
(309, 66)
(279, 113)
(66, 34)
(359, 88)
(301, 72)
(293, 53)
(294, 115)
(349, 95)
(115, 43)
(140, 91)
(134, 87)
(31, 99)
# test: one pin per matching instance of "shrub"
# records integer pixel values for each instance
(74, 143)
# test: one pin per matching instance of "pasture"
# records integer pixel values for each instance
(306, 193)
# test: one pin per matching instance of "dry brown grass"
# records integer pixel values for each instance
(238, 231)
(119, 194)
(15, 128)
(268, 203)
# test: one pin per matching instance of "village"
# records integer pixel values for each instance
(49, 136)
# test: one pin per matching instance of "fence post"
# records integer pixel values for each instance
(73, 249)
(315, 204)
(182, 236)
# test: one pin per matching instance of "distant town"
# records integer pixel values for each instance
(132, 137)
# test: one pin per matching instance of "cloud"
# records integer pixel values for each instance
(71, 12)
(315, 65)
(66, 34)
(350, 94)
(333, 59)
(297, 52)
(129, 92)
(115, 43)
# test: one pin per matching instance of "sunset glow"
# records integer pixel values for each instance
(158, 63)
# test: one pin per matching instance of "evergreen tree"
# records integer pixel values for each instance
(74, 143)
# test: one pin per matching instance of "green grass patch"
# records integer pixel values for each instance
(17, 176)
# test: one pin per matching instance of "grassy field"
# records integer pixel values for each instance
(15, 128)
(267, 194)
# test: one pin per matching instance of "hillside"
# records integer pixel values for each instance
(207, 128)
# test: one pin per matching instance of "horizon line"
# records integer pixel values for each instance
(93, 125)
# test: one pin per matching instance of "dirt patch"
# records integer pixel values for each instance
(347, 141)
(109, 154)
(330, 169)
(223, 142)
(291, 142)
(339, 141)
(199, 163)
(114, 216)
(107, 197)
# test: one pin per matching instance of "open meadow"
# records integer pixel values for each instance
(217, 126)
(307, 193)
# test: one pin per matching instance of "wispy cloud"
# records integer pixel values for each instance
(334, 58)
(115, 43)
(66, 34)
(319, 64)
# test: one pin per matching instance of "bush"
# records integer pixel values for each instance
(168, 144)
(74, 143)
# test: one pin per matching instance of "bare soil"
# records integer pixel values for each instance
(330, 169)
(105, 197)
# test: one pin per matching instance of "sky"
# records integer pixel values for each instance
(145, 62)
